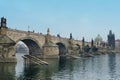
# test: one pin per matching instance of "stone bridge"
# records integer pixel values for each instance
(43, 45)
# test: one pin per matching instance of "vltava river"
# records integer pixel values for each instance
(99, 67)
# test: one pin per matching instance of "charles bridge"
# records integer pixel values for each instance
(44, 45)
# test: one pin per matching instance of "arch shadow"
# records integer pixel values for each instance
(62, 49)
(33, 46)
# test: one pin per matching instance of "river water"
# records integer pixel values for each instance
(99, 67)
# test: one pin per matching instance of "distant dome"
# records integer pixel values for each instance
(98, 38)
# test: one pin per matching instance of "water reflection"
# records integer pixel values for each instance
(62, 62)
(20, 64)
(100, 67)
(112, 65)
(35, 72)
(7, 71)
(31, 71)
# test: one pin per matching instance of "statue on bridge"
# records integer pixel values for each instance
(48, 36)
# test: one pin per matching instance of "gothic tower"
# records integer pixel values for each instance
(3, 22)
(3, 26)
(111, 40)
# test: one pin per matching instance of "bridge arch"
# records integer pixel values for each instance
(62, 48)
(32, 44)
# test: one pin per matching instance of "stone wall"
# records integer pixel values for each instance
(51, 51)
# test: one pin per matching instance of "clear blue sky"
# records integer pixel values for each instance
(80, 17)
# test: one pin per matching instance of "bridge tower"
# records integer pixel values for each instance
(3, 26)
(3, 22)
(111, 40)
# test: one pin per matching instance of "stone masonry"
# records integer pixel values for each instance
(38, 44)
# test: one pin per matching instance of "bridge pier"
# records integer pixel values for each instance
(7, 54)
(7, 49)
(50, 51)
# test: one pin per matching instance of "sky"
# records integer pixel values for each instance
(82, 18)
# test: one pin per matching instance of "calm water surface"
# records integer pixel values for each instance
(99, 67)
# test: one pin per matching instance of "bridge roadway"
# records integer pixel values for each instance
(38, 40)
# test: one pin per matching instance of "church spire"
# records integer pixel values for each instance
(110, 32)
